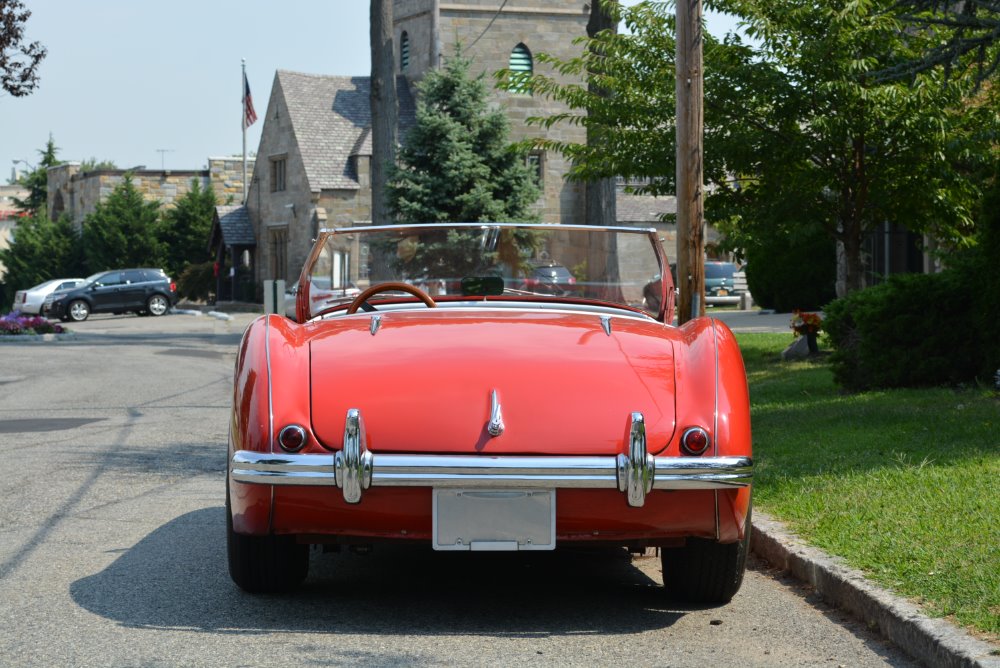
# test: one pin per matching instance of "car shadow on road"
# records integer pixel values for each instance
(176, 577)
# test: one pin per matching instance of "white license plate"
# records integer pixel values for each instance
(494, 520)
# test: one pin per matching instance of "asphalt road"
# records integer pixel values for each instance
(112, 547)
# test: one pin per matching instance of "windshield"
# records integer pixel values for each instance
(93, 277)
(487, 262)
(719, 269)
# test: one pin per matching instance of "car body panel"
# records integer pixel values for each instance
(468, 354)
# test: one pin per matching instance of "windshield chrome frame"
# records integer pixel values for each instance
(666, 311)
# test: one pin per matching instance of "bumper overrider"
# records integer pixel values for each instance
(355, 469)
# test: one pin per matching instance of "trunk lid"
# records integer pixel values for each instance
(423, 381)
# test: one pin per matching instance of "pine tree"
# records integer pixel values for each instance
(120, 231)
(41, 249)
(456, 164)
(183, 230)
(37, 181)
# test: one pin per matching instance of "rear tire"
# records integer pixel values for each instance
(78, 310)
(704, 571)
(157, 305)
(265, 564)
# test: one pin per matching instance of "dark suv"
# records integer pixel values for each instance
(144, 291)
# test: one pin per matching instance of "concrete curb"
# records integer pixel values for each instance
(933, 642)
(38, 338)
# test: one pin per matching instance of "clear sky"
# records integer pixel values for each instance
(158, 84)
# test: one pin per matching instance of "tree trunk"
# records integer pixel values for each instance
(600, 197)
(384, 106)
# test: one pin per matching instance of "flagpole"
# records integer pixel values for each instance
(243, 123)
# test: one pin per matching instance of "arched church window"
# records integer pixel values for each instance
(404, 51)
(521, 67)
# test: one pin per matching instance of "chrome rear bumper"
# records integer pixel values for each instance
(355, 469)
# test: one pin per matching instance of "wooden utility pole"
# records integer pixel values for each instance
(600, 202)
(690, 126)
(384, 106)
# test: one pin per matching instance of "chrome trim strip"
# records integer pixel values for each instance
(402, 229)
(496, 425)
(715, 424)
(270, 411)
(514, 472)
(606, 324)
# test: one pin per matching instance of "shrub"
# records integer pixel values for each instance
(794, 268)
(197, 281)
(913, 330)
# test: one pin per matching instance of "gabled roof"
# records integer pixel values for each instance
(330, 116)
(233, 223)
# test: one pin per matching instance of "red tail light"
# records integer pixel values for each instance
(292, 438)
(695, 441)
(173, 286)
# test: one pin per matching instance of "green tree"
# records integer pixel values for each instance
(18, 60)
(456, 164)
(93, 165)
(796, 114)
(121, 230)
(183, 230)
(815, 130)
(967, 37)
(37, 181)
(40, 250)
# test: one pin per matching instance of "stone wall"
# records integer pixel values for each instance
(77, 193)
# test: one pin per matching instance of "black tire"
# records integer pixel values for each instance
(157, 305)
(265, 564)
(78, 310)
(704, 571)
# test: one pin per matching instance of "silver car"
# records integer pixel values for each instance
(31, 300)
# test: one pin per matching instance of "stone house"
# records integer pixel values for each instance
(313, 161)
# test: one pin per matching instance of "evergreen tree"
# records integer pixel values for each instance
(40, 250)
(37, 181)
(121, 230)
(456, 164)
(183, 230)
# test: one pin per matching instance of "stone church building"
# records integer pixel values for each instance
(313, 163)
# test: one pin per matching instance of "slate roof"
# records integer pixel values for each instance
(235, 225)
(643, 208)
(330, 118)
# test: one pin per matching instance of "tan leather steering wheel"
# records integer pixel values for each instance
(388, 287)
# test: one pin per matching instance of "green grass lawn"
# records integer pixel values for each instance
(903, 484)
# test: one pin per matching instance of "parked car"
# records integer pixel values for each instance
(725, 282)
(548, 278)
(721, 283)
(488, 418)
(143, 291)
(32, 299)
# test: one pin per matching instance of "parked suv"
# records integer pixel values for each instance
(144, 291)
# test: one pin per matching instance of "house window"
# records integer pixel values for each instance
(404, 51)
(535, 162)
(278, 243)
(278, 174)
(520, 67)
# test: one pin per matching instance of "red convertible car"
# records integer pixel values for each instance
(442, 406)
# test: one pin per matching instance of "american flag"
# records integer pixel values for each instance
(249, 115)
